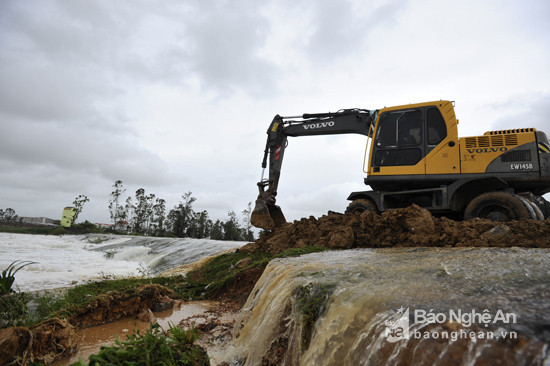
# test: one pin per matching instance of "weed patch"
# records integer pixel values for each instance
(154, 347)
(223, 274)
(311, 300)
(50, 305)
(14, 310)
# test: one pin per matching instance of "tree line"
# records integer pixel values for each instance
(147, 214)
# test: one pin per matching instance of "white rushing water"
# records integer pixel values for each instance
(375, 303)
(71, 259)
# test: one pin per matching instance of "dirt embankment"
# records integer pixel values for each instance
(56, 338)
(409, 227)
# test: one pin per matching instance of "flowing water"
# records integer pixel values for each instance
(400, 306)
(90, 340)
(370, 307)
(66, 260)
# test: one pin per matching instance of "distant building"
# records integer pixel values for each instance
(103, 226)
(68, 216)
(37, 220)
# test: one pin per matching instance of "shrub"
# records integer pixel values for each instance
(8, 275)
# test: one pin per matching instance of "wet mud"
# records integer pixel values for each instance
(409, 227)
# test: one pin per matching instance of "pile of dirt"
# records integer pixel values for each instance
(56, 338)
(408, 227)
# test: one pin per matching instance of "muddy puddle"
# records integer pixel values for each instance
(91, 339)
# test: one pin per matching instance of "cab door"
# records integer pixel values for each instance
(442, 151)
(399, 143)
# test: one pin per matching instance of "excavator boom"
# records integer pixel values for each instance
(266, 214)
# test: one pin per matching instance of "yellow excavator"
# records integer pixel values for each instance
(416, 157)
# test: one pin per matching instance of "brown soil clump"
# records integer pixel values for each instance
(409, 227)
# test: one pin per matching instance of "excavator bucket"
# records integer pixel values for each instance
(266, 215)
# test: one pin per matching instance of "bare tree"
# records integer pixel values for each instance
(118, 213)
(78, 206)
(247, 225)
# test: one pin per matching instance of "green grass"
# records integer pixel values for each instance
(78, 229)
(51, 305)
(15, 308)
(215, 276)
(26, 230)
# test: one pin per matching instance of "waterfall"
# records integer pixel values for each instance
(399, 306)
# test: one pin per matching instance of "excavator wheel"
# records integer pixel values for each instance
(547, 209)
(544, 206)
(538, 213)
(362, 205)
(540, 205)
(500, 206)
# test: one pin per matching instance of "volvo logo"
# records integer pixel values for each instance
(487, 150)
(312, 126)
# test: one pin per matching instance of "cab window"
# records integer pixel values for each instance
(398, 138)
(401, 128)
(437, 130)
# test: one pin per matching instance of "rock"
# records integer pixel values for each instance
(245, 262)
(500, 230)
(146, 315)
(248, 248)
(166, 303)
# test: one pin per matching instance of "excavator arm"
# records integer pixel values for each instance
(266, 214)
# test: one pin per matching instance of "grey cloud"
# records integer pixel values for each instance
(225, 40)
(340, 31)
(50, 67)
(50, 92)
(88, 150)
(105, 43)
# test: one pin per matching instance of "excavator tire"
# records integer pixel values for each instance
(361, 205)
(538, 213)
(541, 205)
(500, 207)
(547, 209)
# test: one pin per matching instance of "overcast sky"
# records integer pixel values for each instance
(176, 96)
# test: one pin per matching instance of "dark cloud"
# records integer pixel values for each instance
(79, 149)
